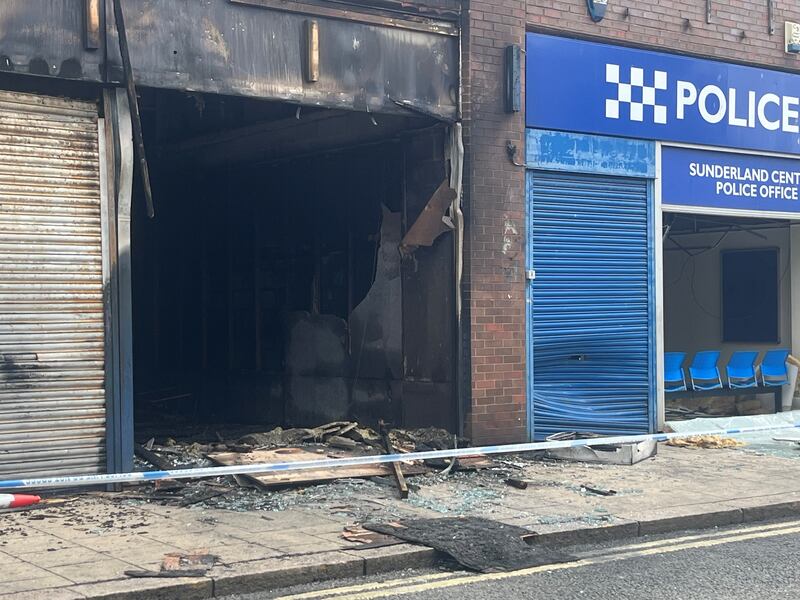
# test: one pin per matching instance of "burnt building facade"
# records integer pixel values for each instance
(287, 256)
(352, 209)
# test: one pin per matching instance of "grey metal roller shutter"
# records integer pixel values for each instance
(52, 388)
(592, 330)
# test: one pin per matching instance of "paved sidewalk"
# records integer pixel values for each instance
(81, 549)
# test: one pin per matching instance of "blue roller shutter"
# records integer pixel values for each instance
(590, 335)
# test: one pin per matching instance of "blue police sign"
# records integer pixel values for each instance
(580, 86)
(728, 180)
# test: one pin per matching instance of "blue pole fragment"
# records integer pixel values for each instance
(201, 472)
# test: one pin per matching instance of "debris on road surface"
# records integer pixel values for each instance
(791, 440)
(368, 539)
(608, 454)
(597, 491)
(517, 483)
(476, 543)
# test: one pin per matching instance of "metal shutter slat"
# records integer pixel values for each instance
(590, 309)
(52, 338)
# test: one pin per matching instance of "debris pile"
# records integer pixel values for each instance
(196, 563)
(706, 441)
(341, 439)
(479, 544)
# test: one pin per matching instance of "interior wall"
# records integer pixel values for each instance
(277, 294)
(692, 291)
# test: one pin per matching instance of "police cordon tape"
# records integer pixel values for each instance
(256, 469)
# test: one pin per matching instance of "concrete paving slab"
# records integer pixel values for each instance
(22, 571)
(66, 556)
(106, 569)
(146, 554)
(243, 552)
(110, 542)
(48, 593)
(34, 543)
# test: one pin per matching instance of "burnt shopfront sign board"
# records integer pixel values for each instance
(729, 181)
(223, 47)
(234, 48)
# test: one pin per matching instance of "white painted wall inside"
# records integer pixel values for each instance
(692, 292)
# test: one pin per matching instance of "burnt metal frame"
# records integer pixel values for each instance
(118, 174)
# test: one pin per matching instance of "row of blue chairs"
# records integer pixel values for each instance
(741, 371)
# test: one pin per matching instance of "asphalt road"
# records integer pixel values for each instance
(745, 562)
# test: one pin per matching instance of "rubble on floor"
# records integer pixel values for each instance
(756, 442)
(706, 441)
(367, 493)
(280, 490)
(196, 563)
(719, 406)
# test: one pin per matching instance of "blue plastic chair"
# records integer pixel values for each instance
(741, 370)
(704, 369)
(674, 377)
(773, 368)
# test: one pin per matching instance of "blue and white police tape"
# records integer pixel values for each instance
(333, 463)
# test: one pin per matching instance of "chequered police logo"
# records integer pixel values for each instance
(625, 94)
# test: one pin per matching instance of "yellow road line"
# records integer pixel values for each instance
(370, 586)
(400, 587)
(705, 543)
(688, 538)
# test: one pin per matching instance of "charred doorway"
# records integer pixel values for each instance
(270, 288)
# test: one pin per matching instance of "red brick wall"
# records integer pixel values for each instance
(494, 284)
(738, 30)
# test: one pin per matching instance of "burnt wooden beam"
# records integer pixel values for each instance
(400, 480)
(153, 458)
(91, 23)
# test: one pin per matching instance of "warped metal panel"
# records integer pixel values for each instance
(590, 323)
(224, 47)
(52, 328)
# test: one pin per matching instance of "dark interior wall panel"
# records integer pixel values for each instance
(244, 286)
(219, 47)
(46, 37)
(428, 298)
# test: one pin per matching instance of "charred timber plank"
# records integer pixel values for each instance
(153, 458)
(400, 480)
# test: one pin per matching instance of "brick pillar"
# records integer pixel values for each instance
(494, 274)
